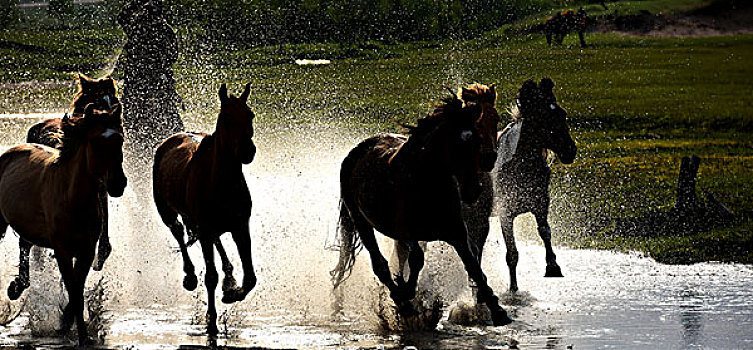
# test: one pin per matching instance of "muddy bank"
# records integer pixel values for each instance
(719, 18)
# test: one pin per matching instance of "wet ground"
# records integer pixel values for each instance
(606, 300)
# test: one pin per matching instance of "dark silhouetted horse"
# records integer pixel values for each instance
(200, 178)
(562, 23)
(522, 183)
(103, 94)
(52, 199)
(411, 188)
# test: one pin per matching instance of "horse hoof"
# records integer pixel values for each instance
(190, 282)
(228, 284)
(102, 254)
(15, 290)
(553, 271)
(405, 309)
(500, 318)
(233, 295)
(85, 340)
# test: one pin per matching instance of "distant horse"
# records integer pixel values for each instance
(52, 199)
(562, 23)
(103, 94)
(199, 177)
(522, 184)
(411, 189)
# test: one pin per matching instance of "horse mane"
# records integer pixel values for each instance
(478, 93)
(514, 111)
(449, 106)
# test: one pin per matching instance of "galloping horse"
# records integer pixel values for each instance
(522, 184)
(411, 189)
(199, 177)
(562, 23)
(52, 199)
(103, 94)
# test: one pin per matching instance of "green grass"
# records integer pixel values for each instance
(637, 105)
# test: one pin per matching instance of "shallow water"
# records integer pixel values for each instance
(605, 300)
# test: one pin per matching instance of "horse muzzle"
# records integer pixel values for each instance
(247, 151)
(488, 158)
(116, 183)
(470, 192)
(568, 156)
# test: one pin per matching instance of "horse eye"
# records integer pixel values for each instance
(553, 106)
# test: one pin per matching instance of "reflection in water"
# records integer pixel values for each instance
(691, 319)
(606, 299)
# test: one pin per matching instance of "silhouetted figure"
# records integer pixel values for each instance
(149, 97)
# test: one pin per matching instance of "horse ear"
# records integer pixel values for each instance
(246, 92)
(493, 92)
(223, 93)
(546, 84)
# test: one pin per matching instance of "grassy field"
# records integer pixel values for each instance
(637, 105)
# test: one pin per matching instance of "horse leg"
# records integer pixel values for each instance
(549, 38)
(211, 278)
(74, 278)
(242, 239)
(416, 263)
(80, 272)
(485, 293)
(381, 269)
(506, 221)
(402, 251)
(228, 282)
(582, 39)
(104, 249)
(18, 285)
(170, 219)
(552, 269)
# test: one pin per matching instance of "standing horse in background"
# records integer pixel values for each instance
(199, 177)
(411, 189)
(102, 93)
(562, 23)
(52, 199)
(523, 175)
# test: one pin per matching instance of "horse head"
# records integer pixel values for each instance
(100, 132)
(544, 120)
(453, 141)
(100, 92)
(487, 121)
(235, 125)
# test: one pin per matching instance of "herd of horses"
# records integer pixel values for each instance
(433, 185)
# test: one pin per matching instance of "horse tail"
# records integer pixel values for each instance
(349, 244)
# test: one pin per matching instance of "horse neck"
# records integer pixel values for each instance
(418, 155)
(222, 153)
(530, 148)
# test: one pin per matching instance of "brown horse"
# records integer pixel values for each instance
(200, 178)
(103, 94)
(51, 198)
(411, 189)
(562, 23)
(523, 174)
